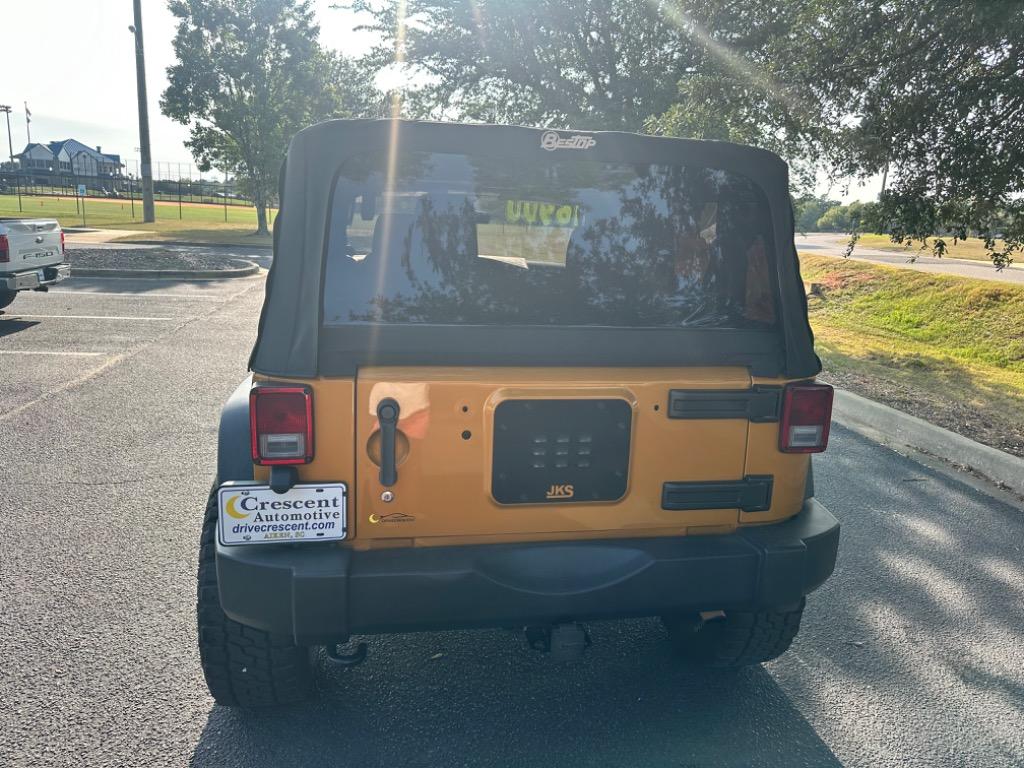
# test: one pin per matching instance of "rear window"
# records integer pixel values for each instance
(464, 239)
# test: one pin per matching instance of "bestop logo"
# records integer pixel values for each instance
(552, 141)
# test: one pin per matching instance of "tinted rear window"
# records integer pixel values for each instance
(459, 239)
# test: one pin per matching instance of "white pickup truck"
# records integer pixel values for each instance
(31, 256)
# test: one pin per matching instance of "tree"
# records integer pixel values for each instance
(930, 92)
(941, 111)
(582, 63)
(845, 218)
(835, 219)
(249, 75)
(808, 210)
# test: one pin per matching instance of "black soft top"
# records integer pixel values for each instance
(293, 342)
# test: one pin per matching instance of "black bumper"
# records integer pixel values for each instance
(320, 594)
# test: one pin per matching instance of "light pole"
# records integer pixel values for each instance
(6, 109)
(10, 144)
(148, 211)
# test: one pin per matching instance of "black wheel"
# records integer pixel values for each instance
(6, 297)
(243, 666)
(736, 639)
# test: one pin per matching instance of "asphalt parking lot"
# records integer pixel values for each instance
(911, 655)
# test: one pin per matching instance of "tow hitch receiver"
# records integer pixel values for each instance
(565, 642)
(336, 656)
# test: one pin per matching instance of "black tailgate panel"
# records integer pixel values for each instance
(558, 451)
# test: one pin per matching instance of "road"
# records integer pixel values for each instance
(835, 245)
(911, 655)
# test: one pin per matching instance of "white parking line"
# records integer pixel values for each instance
(39, 352)
(91, 317)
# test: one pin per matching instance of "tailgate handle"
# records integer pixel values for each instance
(387, 415)
(758, 404)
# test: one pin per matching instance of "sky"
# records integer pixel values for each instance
(77, 73)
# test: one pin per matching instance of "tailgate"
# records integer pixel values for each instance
(546, 453)
(32, 243)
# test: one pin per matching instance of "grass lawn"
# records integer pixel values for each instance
(971, 248)
(198, 223)
(949, 349)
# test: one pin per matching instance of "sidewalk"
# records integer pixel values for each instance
(135, 239)
(92, 236)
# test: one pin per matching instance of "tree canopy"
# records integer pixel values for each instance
(928, 92)
(249, 75)
(808, 210)
(598, 65)
(937, 88)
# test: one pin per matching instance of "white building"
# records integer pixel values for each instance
(70, 157)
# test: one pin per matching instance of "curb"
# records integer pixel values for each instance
(189, 244)
(171, 274)
(897, 429)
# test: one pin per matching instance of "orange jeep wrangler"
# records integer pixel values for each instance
(509, 377)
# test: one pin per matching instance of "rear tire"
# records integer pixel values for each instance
(736, 640)
(244, 667)
(6, 297)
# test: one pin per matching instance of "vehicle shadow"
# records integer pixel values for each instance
(913, 643)
(9, 326)
(482, 698)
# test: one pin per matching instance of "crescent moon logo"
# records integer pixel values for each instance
(374, 518)
(231, 510)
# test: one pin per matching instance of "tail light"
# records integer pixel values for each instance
(806, 415)
(5, 250)
(281, 424)
(62, 242)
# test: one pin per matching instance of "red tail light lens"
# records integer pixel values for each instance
(806, 416)
(5, 250)
(62, 241)
(281, 424)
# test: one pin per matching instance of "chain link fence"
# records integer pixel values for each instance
(172, 182)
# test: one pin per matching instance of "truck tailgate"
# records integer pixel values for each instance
(32, 243)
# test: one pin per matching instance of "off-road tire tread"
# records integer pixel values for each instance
(739, 640)
(243, 666)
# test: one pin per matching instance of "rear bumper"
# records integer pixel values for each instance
(321, 594)
(35, 278)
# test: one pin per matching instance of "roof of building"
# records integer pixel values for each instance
(29, 147)
(74, 147)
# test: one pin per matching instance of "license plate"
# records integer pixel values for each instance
(254, 514)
